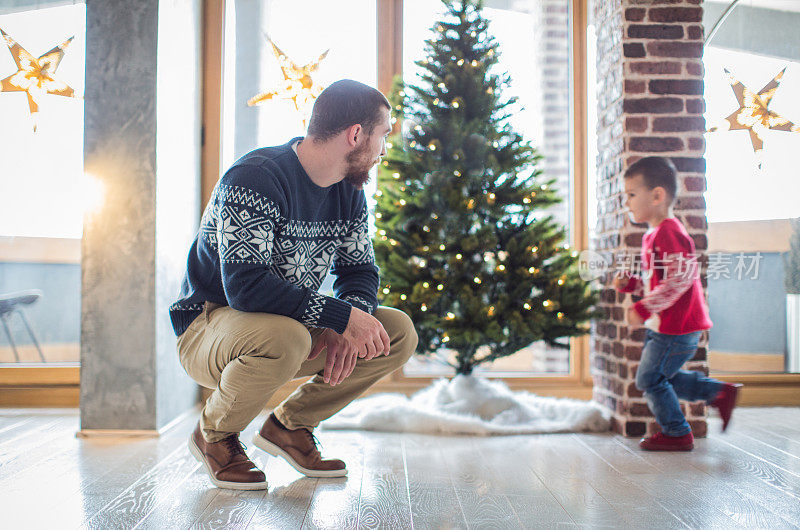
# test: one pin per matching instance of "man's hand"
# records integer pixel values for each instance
(633, 317)
(341, 356)
(366, 334)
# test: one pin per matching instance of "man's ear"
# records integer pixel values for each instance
(354, 133)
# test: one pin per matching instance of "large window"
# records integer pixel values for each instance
(753, 182)
(42, 184)
(534, 51)
(371, 42)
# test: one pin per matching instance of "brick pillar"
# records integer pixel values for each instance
(650, 102)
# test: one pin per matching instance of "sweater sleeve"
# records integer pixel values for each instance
(245, 222)
(634, 286)
(675, 259)
(354, 264)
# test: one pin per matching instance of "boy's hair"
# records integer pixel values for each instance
(343, 104)
(656, 171)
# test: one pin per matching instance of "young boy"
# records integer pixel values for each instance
(673, 309)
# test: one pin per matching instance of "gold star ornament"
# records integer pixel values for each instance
(754, 114)
(35, 76)
(298, 85)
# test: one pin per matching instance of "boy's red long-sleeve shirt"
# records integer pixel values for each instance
(673, 302)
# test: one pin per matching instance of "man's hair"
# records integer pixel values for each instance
(656, 171)
(343, 104)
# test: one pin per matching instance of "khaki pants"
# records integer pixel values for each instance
(246, 357)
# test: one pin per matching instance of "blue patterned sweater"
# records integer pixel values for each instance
(267, 239)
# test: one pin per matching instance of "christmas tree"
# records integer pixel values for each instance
(464, 241)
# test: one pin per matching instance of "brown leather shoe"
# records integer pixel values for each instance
(298, 447)
(226, 462)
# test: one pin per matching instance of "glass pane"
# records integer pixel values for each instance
(534, 50)
(753, 184)
(42, 185)
(303, 30)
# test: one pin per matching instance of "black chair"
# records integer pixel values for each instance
(11, 303)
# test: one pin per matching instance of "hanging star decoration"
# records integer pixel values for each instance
(298, 85)
(35, 76)
(754, 114)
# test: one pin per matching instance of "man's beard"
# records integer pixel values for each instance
(357, 173)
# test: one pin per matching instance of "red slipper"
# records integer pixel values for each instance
(661, 442)
(725, 402)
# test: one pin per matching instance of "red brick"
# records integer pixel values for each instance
(634, 353)
(651, 144)
(634, 239)
(697, 144)
(675, 49)
(635, 14)
(633, 391)
(640, 410)
(622, 370)
(701, 354)
(699, 428)
(634, 428)
(690, 203)
(697, 409)
(633, 49)
(639, 334)
(695, 106)
(689, 165)
(663, 105)
(697, 222)
(694, 32)
(655, 67)
(687, 87)
(679, 124)
(634, 87)
(695, 68)
(655, 31)
(675, 14)
(700, 242)
(635, 124)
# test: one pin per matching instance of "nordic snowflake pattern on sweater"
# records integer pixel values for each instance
(268, 238)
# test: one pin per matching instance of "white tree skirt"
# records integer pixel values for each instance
(470, 405)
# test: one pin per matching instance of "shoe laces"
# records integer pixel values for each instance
(314, 440)
(233, 445)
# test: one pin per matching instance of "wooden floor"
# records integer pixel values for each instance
(746, 478)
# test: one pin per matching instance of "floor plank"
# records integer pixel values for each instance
(335, 501)
(384, 500)
(434, 503)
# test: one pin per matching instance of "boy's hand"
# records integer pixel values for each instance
(633, 317)
(621, 281)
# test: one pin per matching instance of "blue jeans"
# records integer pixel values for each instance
(663, 382)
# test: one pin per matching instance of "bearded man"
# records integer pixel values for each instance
(250, 317)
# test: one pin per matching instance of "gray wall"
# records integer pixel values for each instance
(139, 113)
(749, 315)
